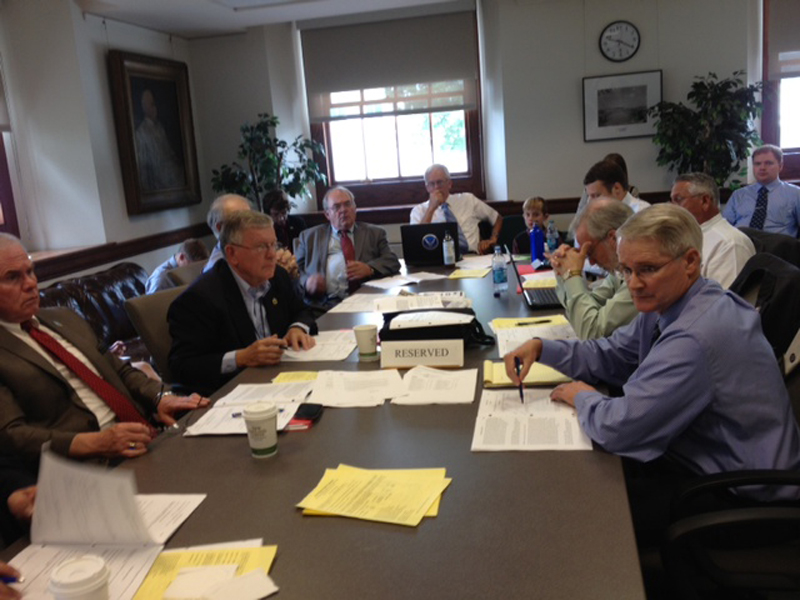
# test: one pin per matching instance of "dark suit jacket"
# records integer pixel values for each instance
(369, 242)
(38, 405)
(13, 476)
(210, 318)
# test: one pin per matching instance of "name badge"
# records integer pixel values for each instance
(431, 353)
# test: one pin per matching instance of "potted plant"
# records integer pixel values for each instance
(716, 134)
(268, 163)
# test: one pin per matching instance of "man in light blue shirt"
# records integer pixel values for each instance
(701, 385)
(769, 204)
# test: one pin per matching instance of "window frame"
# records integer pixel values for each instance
(405, 191)
(770, 117)
(10, 223)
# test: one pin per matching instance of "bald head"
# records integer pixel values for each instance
(222, 208)
(19, 293)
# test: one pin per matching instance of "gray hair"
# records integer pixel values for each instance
(234, 226)
(437, 167)
(217, 211)
(602, 215)
(700, 183)
(674, 228)
(776, 151)
(337, 188)
(6, 239)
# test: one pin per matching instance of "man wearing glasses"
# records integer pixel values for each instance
(244, 312)
(598, 312)
(464, 209)
(335, 259)
(702, 391)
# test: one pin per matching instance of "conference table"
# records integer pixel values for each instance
(550, 525)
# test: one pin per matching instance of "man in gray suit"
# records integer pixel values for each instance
(42, 399)
(335, 259)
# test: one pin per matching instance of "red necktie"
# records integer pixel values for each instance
(349, 252)
(116, 401)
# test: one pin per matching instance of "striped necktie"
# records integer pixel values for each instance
(760, 211)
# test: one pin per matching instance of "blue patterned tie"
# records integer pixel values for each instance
(760, 211)
(451, 218)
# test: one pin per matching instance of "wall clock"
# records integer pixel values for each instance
(619, 41)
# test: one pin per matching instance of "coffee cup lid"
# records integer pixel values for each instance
(260, 410)
(79, 574)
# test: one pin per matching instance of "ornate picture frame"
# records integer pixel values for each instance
(155, 132)
(615, 106)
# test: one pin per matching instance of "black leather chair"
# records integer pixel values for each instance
(783, 246)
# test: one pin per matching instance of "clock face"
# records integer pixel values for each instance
(619, 41)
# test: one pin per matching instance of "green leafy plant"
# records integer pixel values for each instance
(268, 163)
(716, 135)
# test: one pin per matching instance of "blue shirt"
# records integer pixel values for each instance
(708, 393)
(159, 280)
(783, 207)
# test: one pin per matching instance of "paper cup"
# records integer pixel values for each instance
(84, 578)
(367, 340)
(261, 419)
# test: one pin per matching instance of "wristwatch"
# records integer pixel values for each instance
(573, 273)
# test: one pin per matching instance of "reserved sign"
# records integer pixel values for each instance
(431, 353)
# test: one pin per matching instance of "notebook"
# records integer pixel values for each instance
(422, 244)
(537, 298)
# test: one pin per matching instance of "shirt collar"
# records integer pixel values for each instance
(260, 291)
(17, 326)
(772, 186)
(673, 312)
(338, 233)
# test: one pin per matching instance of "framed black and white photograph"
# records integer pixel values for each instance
(155, 132)
(615, 106)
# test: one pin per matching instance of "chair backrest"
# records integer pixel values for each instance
(187, 273)
(149, 315)
(783, 246)
(512, 226)
(772, 285)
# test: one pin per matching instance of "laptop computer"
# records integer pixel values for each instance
(536, 298)
(422, 244)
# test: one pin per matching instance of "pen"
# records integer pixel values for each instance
(540, 321)
(518, 368)
(7, 579)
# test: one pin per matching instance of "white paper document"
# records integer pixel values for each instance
(386, 304)
(85, 509)
(505, 423)
(229, 420)
(357, 303)
(330, 345)
(281, 393)
(425, 385)
(474, 261)
(386, 283)
(431, 318)
(511, 338)
(356, 388)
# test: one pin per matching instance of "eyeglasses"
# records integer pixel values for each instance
(681, 199)
(436, 183)
(645, 272)
(340, 206)
(259, 248)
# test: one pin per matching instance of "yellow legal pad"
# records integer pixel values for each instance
(469, 273)
(530, 284)
(494, 375)
(510, 323)
(294, 376)
(399, 496)
(168, 564)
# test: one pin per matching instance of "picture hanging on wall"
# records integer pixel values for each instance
(155, 132)
(615, 106)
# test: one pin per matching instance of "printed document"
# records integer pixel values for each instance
(425, 385)
(505, 423)
(330, 345)
(84, 509)
(356, 388)
(357, 303)
(512, 333)
(387, 304)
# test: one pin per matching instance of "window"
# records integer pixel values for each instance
(381, 132)
(781, 121)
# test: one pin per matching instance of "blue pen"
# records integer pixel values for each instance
(7, 579)
(518, 368)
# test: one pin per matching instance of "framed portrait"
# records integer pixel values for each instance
(616, 106)
(155, 132)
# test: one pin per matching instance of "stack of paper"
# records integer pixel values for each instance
(329, 345)
(469, 273)
(538, 423)
(512, 333)
(356, 388)
(84, 509)
(494, 375)
(399, 496)
(426, 385)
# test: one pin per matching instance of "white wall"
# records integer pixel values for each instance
(548, 46)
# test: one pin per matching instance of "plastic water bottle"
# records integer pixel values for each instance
(449, 249)
(552, 237)
(499, 276)
(537, 243)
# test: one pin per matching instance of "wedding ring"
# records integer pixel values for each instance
(132, 446)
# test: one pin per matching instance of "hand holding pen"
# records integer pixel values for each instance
(266, 351)
(517, 368)
(9, 575)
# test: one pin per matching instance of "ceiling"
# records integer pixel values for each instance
(203, 18)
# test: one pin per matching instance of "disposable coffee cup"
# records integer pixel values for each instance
(84, 578)
(367, 340)
(261, 419)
